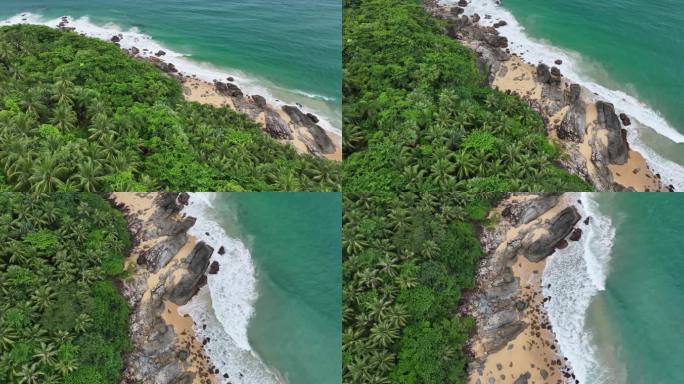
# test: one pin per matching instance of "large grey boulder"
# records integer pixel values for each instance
(560, 226)
(190, 282)
(617, 144)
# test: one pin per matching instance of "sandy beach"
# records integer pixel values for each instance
(533, 353)
(142, 205)
(519, 77)
(206, 93)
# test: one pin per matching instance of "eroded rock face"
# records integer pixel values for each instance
(617, 144)
(322, 142)
(189, 283)
(228, 89)
(276, 127)
(560, 226)
(529, 210)
(543, 73)
(260, 101)
(574, 123)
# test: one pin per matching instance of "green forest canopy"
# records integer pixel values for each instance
(418, 117)
(78, 114)
(62, 319)
(406, 260)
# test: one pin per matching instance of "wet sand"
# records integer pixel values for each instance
(204, 92)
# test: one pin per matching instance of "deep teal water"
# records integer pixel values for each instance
(294, 44)
(295, 242)
(637, 320)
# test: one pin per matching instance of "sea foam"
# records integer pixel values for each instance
(572, 277)
(221, 310)
(133, 37)
(574, 68)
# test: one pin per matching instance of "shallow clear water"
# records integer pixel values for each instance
(294, 240)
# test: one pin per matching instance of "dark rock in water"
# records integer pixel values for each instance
(462, 3)
(670, 188)
(214, 268)
(230, 78)
(475, 18)
(227, 89)
(576, 234)
(222, 250)
(555, 75)
(115, 39)
(190, 282)
(183, 198)
(500, 23)
(313, 117)
(523, 378)
(617, 144)
(276, 127)
(558, 62)
(625, 119)
(134, 51)
(562, 244)
(587, 220)
(559, 228)
(260, 101)
(225, 376)
(160, 53)
(543, 73)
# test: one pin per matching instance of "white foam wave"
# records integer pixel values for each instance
(223, 308)
(574, 68)
(572, 277)
(133, 37)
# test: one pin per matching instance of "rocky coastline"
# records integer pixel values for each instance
(513, 340)
(288, 124)
(590, 133)
(168, 268)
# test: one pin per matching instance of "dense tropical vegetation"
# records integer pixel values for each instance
(77, 114)
(406, 260)
(417, 116)
(62, 320)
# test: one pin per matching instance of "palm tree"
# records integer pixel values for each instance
(83, 322)
(64, 117)
(47, 173)
(66, 366)
(32, 103)
(43, 297)
(29, 374)
(88, 176)
(46, 354)
(383, 334)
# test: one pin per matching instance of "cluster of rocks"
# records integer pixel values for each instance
(499, 303)
(158, 355)
(63, 24)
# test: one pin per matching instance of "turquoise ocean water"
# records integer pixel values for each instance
(295, 245)
(618, 310)
(630, 52)
(292, 48)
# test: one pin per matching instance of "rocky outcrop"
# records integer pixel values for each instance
(617, 143)
(543, 73)
(573, 125)
(322, 142)
(259, 101)
(537, 247)
(497, 304)
(158, 356)
(189, 283)
(625, 119)
(276, 127)
(228, 89)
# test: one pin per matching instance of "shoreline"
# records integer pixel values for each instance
(165, 347)
(289, 124)
(514, 340)
(592, 136)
